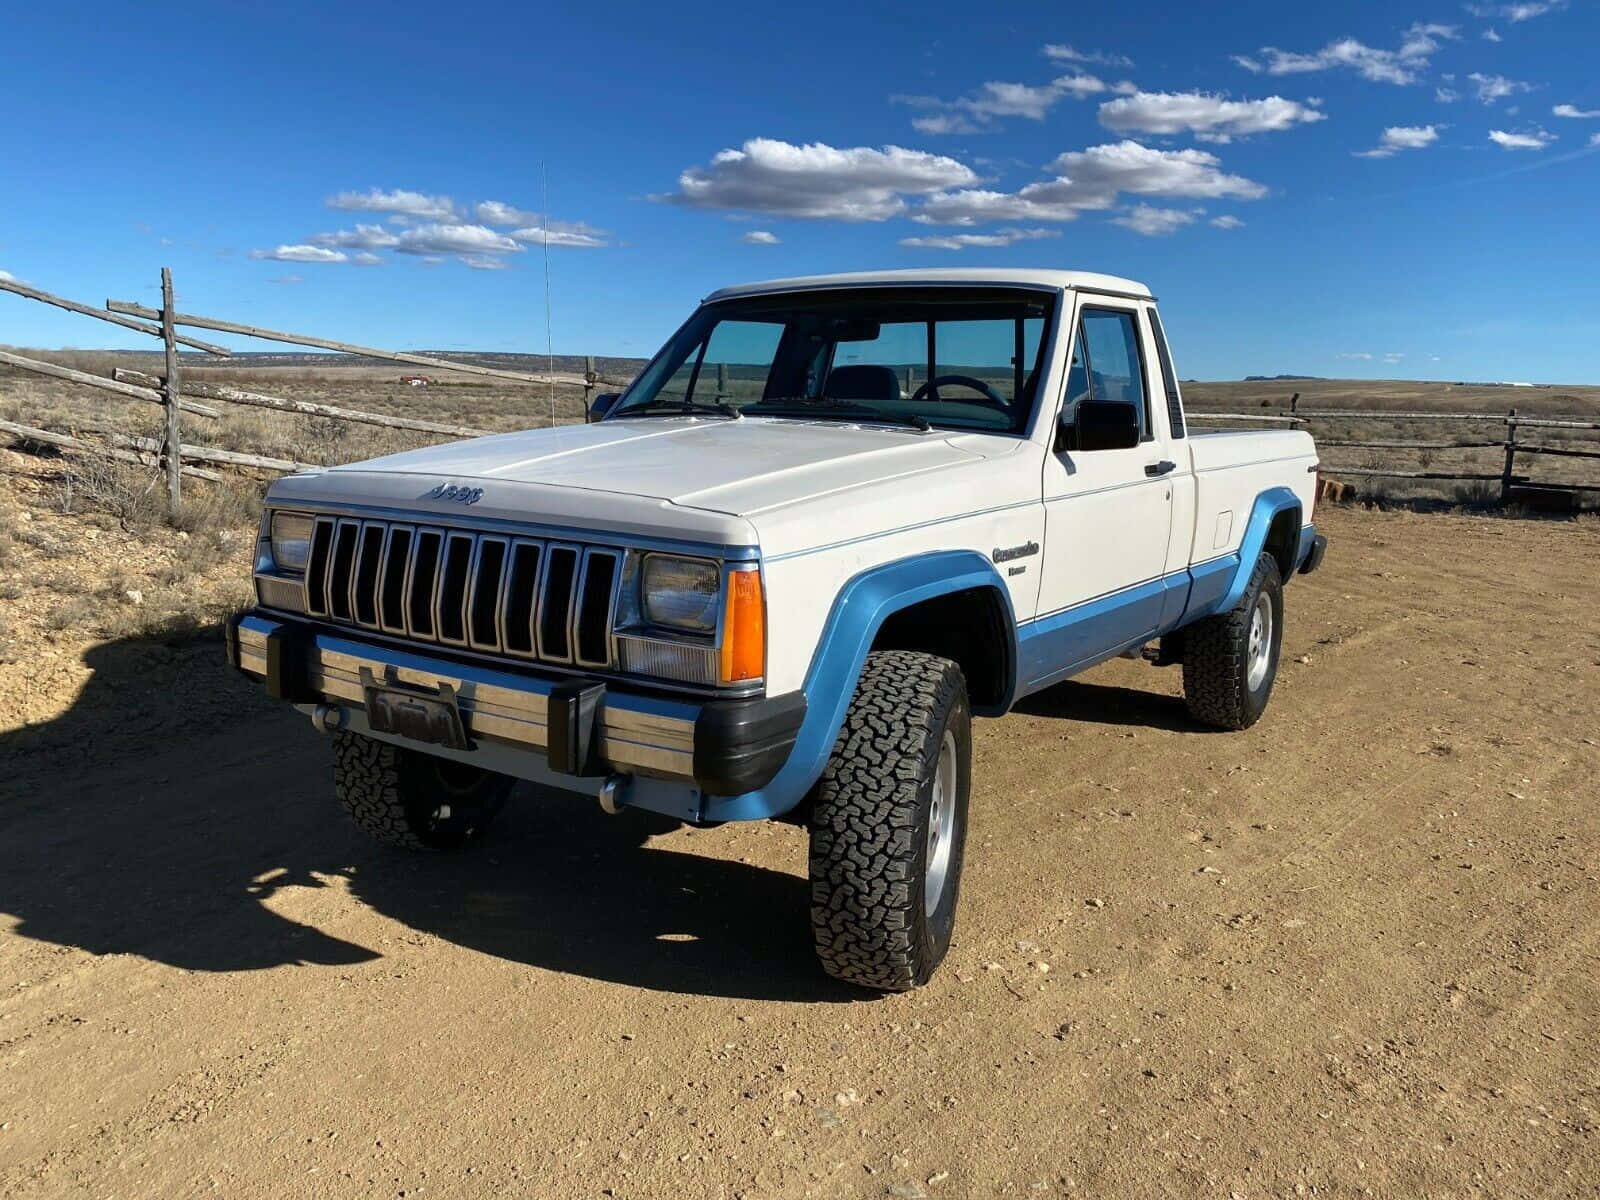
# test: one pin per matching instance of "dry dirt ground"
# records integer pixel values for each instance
(1352, 951)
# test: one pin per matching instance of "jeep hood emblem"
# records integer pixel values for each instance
(450, 491)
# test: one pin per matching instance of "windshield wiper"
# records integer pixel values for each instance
(667, 406)
(846, 409)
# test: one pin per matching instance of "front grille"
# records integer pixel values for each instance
(525, 597)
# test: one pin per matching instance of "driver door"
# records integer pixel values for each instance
(1108, 512)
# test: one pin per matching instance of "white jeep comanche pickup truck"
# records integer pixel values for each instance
(830, 521)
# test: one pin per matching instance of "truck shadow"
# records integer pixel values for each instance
(1108, 704)
(174, 813)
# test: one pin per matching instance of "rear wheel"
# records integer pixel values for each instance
(1231, 660)
(889, 824)
(405, 798)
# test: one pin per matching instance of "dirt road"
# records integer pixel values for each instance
(1351, 951)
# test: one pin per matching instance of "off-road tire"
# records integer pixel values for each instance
(870, 823)
(405, 798)
(1216, 656)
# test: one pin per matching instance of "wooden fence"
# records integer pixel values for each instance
(181, 399)
(1513, 488)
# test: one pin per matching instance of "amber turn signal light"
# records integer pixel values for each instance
(744, 628)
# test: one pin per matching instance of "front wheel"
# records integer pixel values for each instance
(889, 824)
(1231, 660)
(406, 798)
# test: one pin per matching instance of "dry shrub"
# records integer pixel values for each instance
(229, 505)
(95, 482)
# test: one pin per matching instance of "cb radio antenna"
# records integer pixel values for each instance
(549, 337)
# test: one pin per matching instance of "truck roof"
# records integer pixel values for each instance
(1088, 281)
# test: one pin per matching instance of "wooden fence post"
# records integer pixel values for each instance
(722, 380)
(172, 443)
(1511, 454)
(1294, 403)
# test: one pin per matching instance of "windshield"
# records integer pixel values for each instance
(951, 358)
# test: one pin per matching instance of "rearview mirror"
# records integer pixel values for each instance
(1106, 425)
(602, 404)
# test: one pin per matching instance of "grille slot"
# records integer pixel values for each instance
(364, 590)
(419, 588)
(450, 609)
(483, 605)
(591, 626)
(317, 568)
(341, 568)
(536, 600)
(522, 585)
(396, 564)
(555, 603)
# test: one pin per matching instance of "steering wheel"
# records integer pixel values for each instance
(931, 388)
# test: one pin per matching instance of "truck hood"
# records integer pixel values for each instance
(740, 468)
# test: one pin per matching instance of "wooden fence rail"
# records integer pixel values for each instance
(1512, 485)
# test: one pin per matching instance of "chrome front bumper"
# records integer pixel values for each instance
(572, 733)
(638, 735)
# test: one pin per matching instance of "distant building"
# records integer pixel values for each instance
(415, 380)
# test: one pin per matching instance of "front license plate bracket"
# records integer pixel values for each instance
(420, 714)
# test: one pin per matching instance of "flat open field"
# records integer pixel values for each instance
(1352, 951)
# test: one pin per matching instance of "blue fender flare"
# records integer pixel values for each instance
(858, 612)
(1265, 510)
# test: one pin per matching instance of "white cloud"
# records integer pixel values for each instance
(1361, 354)
(1594, 139)
(1401, 65)
(761, 237)
(287, 279)
(943, 123)
(403, 203)
(483, 262)
(1446, 95)
(8, 277)
(301, 254)
(1491, 88)
(1402, 137)
(496, 212)
(1227, 221)
(365, 258)
(363, 237)
(1208, 117)
(1062, 53)
(964, 241)
(1521, 141)
(1156, 222)
(1574, 112)
(435, 239)
(1516, 12)
(816, 180)
(1489, 35)
(561, 233)
(996, 99)
(1093, 179)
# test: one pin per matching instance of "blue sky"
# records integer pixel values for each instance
(1401, 191)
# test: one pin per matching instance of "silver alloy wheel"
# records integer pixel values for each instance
(941, 825)
(1260, 651)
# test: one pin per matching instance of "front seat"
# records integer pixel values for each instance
(862, 381)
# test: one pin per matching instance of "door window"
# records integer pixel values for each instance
(1114, 368)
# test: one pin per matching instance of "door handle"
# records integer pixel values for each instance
(1159, 468)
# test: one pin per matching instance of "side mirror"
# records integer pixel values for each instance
(1107, 425)
(601, 405)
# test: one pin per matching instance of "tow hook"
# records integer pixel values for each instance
(329, 718)
(613, 794)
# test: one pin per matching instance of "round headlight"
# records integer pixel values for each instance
(682, 593)
(291, 540)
